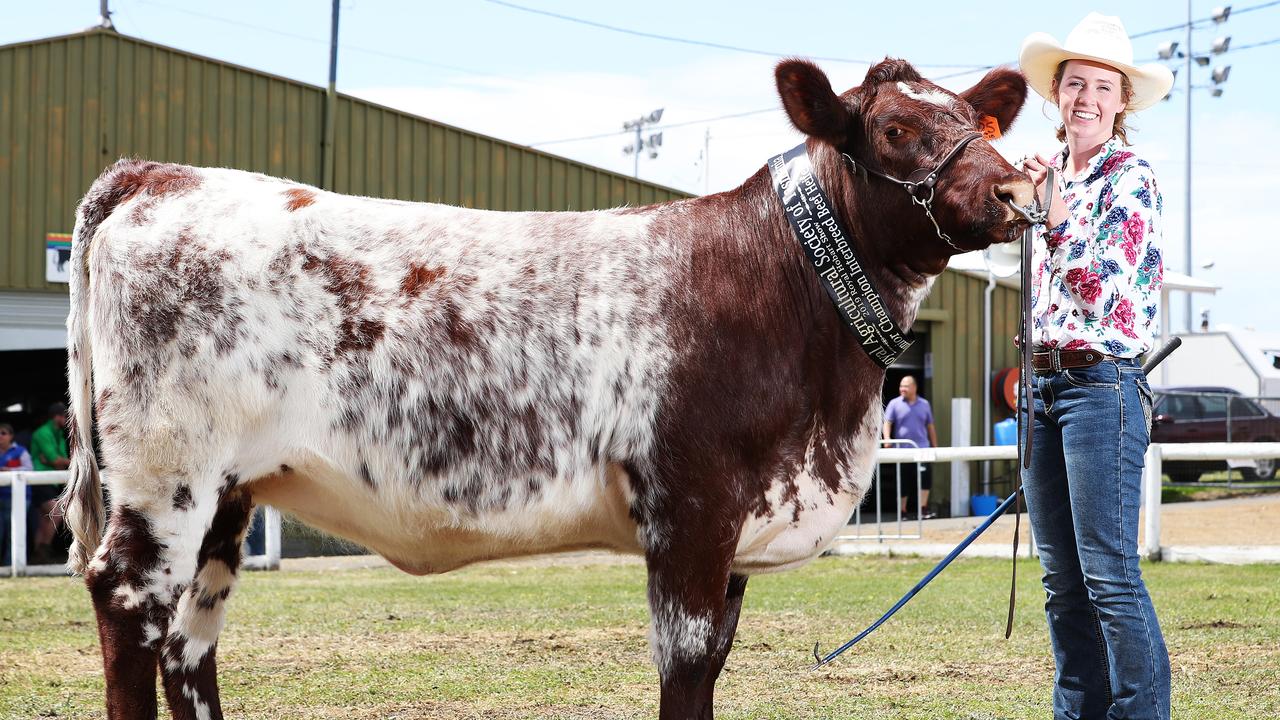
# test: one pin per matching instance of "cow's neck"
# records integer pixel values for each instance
(901, 276)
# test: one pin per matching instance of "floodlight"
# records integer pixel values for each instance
(1167, 49)
(1220, 74)
(1202, 60)
(1220, 14)
(1216, 92)
(1221, 44)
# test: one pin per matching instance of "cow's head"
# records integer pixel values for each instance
(903, 125)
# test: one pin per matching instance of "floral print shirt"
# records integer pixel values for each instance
(1098, 274)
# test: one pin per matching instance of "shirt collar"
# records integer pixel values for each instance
(1104, 152)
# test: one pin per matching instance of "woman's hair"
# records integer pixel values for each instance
(1118, 128)
(7, 427)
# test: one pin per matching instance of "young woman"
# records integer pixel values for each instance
(1095, 297)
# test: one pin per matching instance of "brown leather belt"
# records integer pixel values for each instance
(1045, 361)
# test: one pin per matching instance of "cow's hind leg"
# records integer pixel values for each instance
(145, 562)
(694, 603)
(187, 661)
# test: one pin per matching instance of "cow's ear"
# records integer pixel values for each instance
(814, 108)
(1000, 95)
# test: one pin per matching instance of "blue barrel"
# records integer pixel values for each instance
(1006, 432)
(983, 505)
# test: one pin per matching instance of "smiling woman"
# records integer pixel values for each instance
(1095, 293)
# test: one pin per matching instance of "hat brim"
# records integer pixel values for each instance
(1041, 55)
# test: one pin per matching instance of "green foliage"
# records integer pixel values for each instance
(567, 639)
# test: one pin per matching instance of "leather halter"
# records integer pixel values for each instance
(922, 191)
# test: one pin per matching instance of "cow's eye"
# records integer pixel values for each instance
(894, 133)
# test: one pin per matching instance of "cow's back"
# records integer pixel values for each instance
(424, 365)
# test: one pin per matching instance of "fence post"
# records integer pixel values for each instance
(1152, 473)
(960, 434)
(272, 537)
(18, 526)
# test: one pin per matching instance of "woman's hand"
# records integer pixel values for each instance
(1037, 167)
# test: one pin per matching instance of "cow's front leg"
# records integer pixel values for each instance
(187, 662)
(723, 642)
(694, 604)
(143, 564)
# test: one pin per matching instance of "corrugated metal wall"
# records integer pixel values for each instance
(71, 106)
(954, 307)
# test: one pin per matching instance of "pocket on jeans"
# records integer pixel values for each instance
(1105, 374)
(1146, 399)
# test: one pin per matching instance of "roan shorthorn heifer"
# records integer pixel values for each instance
(445, 385)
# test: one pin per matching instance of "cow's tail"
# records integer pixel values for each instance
(82, 502)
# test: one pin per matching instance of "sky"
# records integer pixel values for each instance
(547, 72)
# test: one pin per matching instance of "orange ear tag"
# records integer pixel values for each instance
(990, 127)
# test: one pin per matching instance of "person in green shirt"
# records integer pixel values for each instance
(48, 452)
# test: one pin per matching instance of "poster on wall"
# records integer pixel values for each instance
(57, 253)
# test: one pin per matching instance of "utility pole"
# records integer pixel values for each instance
(1170, 51)
(1187, 228)
(330, 107)
(104, 9)
(652, 144)
(706, 163)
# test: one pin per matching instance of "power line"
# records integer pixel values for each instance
(306, 38)
(1204, 20)
(689, 41)
(1272, 41)
(657, 127)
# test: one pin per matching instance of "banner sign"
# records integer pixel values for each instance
(57, 253)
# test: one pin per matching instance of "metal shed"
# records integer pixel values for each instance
(72, 105)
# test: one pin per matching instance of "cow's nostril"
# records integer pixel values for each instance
(1017, 191)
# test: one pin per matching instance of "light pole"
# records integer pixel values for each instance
(652, 143)
(1167, 51)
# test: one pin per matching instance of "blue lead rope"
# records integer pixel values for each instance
(1004, 506)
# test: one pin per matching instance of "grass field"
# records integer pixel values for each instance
(567, 639)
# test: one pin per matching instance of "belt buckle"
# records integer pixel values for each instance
(1055, 358)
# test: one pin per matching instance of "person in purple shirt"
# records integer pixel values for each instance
(910, 417)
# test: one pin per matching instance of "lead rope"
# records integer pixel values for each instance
(1026, 428)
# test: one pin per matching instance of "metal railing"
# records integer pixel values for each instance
(880, 534)
(1152, 474)
(1151, 486)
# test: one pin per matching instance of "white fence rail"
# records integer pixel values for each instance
(1151, 484)
(18, 482)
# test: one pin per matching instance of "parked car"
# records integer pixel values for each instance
(1212, 414)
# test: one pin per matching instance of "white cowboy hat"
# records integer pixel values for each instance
(1100, 38)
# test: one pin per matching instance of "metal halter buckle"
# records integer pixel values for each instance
(930, 182)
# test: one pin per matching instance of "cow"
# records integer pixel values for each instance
(447, 385)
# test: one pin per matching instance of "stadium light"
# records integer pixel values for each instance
(640, 145)
(1220, 14)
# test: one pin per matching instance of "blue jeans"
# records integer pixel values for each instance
(1092, 428)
